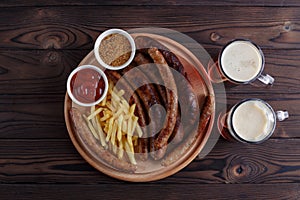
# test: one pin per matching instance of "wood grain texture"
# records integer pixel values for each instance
(158, 191)
(56, 161)
(32, 116)
(280, 3)
(36, 72)
(71, 28)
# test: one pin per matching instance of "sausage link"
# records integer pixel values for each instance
(149, 97)
(87, 137)
(178, 132)
(153, 75)
(205, 117)
(172, 99)
(186, 94)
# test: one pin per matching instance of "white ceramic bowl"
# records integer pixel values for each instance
(102, 36)
(81, 68)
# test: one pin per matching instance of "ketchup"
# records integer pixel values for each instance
(87, 85)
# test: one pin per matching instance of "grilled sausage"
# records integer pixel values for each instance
(149, 98)
(178, 132)
(186, 93)
(87, 137)
(172, 99)
(205, 117)
(153, 74)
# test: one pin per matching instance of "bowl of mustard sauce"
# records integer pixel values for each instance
(114, 49)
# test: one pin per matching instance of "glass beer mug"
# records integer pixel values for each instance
(240, 62)
(250, 121)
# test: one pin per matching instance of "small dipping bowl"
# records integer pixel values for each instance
(114, 47)
(87, 85)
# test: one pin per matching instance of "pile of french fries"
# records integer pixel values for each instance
(114, 124)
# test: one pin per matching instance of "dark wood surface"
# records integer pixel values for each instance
(42, 41)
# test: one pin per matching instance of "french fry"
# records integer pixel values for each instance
(115, 97)
(125, 103)
(94, 112)
(119, 134)
(134, 123)
(139, 130)
(105, 128)
(118, 113)
(109, 105)
(129, 124)
(91, 127)
(131, 110)
(135, 140)
(97, 127)
(103, 102)
(110, 124)
(105, 117)
(100, 133)
(130, 143)
(121, 93)
(114, 124)
(129, 153)
(124, 126)
(113, 134)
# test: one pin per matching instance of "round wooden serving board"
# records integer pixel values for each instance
(151, 170)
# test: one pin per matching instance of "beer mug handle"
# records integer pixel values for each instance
(282, 115)
(266, 79)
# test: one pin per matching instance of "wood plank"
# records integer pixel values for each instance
(68, 27)
(151, 191)
(32, 116)
(15, 3)
(56, 161)
(37, 72)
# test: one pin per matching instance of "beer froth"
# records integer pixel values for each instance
(241, 61)
(253, 120)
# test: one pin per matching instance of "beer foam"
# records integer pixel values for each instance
(241, 61)
(253, 120)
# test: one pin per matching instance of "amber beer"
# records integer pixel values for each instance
(241, 62)
(250, 121)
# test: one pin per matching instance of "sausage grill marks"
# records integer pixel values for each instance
(153, 77)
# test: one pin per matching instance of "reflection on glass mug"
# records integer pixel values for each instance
(241, 62)
(250, 121)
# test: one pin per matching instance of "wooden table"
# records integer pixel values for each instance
(42, 41)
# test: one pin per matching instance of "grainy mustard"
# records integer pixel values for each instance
(115, 49)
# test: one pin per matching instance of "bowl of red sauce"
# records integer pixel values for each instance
(87, 85)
